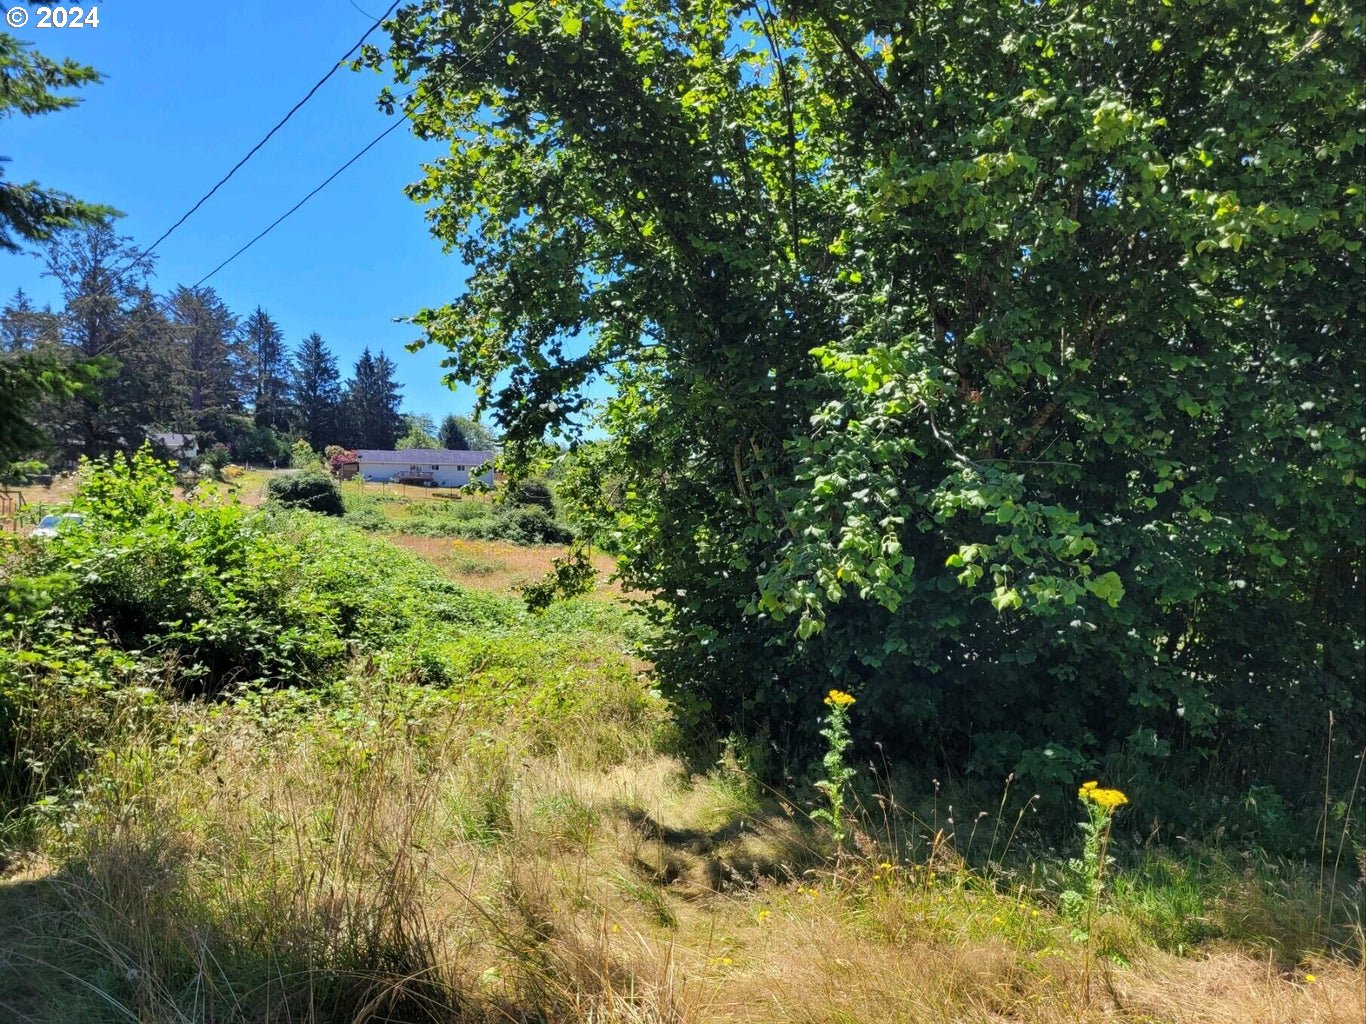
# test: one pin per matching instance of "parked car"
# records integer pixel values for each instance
(53, 523)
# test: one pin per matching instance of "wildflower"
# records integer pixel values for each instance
(762, 915)
(1106, 798)
(838, 699)
(1311, 978)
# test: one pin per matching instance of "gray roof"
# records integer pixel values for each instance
(425, 456)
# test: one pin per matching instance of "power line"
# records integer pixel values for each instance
(266, 138)
(327, 181)
(368, 146)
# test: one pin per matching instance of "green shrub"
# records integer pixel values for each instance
(308, 489)
(532, 491)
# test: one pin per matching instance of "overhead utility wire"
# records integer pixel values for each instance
(368, 146)
(266, 138)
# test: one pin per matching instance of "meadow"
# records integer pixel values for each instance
(261, 765)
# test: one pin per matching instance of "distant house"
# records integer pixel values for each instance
(178, 446)
(427, 467)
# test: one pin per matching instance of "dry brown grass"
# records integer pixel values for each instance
(498, 566)
(418, 862)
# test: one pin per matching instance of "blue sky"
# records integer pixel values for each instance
(189, 88)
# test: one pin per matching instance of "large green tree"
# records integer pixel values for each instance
(998, 362)
(109, 315)
(265, 362)
(315, 390)
(30, 85)
(371, 403)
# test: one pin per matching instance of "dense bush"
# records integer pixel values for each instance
(532, 491)
(472, 520)
(1034, 414)
(155, 595)
(307, 489)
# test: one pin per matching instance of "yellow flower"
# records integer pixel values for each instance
(839, 699)
(762, 915)
(1311, 978)
(1107, 798)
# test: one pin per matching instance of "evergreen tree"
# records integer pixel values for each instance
(28, 212)
(102, 276)
(316, 387)
(153, 375)
(462, 433)
(23, 326)
(267, 366)
(372, 401)
(205, 329)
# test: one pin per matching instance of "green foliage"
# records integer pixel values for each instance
(1000, 366)
(28, 87)
(464, 434)
(302, 455)
(531, 492)
(571, 575)
(471, 520)
(307, 489)
(838, 771)
(26, 380)
(419, 432)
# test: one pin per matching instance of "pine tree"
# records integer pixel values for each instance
(103, 277)
(24, 327)
(464, 434)
(206, 331)
(372, 401)
(267, 366)
(316, 387)
(29, 212)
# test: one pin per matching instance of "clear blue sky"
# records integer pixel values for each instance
(189, 88)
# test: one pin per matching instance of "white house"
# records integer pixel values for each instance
(180, 446)
(428, 467)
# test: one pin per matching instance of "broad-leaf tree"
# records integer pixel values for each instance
(997, 362)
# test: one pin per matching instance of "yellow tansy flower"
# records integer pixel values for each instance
(839, 699)
(1107, 798)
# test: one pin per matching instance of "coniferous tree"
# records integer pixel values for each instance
(206, 331)
(24, 327)
(316, 387)
(372, 402)
(465, 434)
(154, 370)
(267, 365)
(29, 212)
(102, 276)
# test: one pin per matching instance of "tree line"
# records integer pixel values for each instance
(185, 362)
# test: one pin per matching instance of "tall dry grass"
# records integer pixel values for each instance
(384, 853)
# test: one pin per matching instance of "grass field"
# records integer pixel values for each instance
(477, 814)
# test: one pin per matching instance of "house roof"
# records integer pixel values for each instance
(170, 438)
(425, 456)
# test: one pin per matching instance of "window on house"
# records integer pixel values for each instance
(434, 466)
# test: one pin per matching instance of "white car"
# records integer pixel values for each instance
(52, 524)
